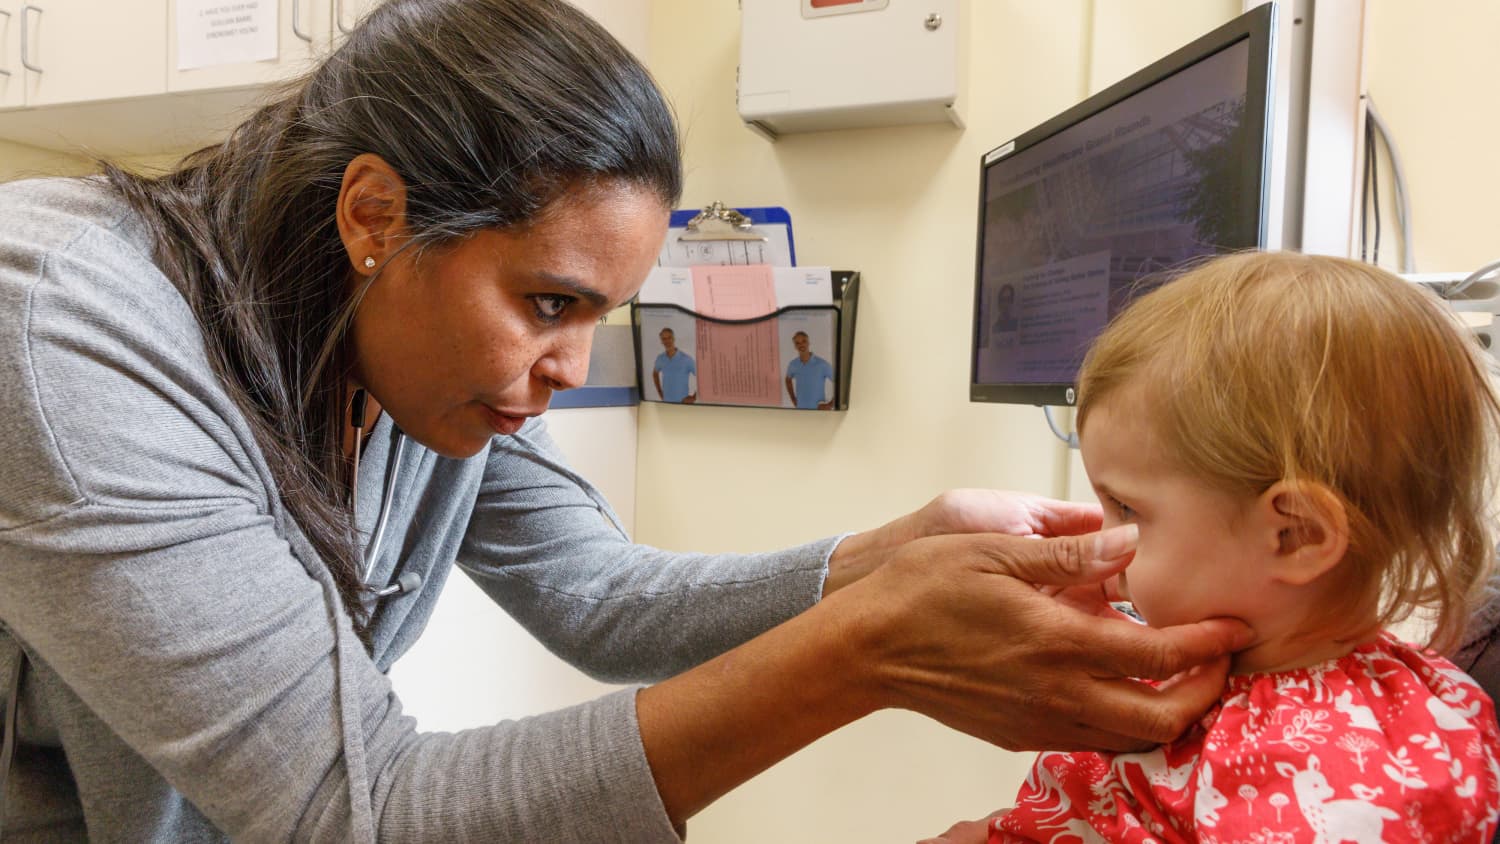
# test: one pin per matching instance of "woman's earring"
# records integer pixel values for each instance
(369, 263)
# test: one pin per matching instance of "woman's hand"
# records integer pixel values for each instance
(963, 629)
(953, 627)
(959, 511)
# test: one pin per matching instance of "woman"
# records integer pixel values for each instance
(260, 405)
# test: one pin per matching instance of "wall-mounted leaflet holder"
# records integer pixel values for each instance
(747, 336)
(714, 235)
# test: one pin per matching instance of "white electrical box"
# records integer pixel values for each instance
(812, 65)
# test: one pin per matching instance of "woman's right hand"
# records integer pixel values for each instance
(957, 628)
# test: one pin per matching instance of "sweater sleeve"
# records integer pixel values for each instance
(146, 565)
(545, 545)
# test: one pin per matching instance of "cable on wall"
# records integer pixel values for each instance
(1398, 181)
(1070, 439)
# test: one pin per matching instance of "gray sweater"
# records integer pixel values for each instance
(189, 674)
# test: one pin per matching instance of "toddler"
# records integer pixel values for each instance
(1305, 444)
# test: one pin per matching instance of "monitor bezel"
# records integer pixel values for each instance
(1257, 26)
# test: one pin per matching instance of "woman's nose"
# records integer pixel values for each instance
(567, 365)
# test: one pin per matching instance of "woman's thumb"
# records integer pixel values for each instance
(1073, 560)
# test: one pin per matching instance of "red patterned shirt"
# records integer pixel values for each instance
(1389, 743)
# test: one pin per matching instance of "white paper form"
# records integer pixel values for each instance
(215, 32)
(775, 250)
(803, 286)
(793, 286)
(668, 286)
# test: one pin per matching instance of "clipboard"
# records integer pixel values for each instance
(719, 235)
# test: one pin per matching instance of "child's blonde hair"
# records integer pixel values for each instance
(1257, 368)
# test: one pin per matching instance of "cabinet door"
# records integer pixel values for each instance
(303, 37)
(82, 50)
(12, 80)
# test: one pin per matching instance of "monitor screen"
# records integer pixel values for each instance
(1090, 209)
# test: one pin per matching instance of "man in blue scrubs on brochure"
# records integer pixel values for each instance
(672, 369)
(805, 376)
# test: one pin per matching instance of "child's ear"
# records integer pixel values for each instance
(1311, 530)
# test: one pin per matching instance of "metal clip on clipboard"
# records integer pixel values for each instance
(716, 222)
(722, 235)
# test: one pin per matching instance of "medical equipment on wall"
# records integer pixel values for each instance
(816, 65)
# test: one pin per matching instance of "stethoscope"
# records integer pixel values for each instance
(405, 581)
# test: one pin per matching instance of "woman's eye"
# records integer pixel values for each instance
(550, 308)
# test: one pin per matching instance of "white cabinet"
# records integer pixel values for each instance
(65, 51)
(304, 35)
(108, 81)
(12, 74)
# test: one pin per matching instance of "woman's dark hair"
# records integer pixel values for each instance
(489, 110)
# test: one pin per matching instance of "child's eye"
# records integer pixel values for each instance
(1121, 509)
(550, 307)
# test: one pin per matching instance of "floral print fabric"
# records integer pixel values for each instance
(1386, 744)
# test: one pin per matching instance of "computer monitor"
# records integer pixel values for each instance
(1095, 206)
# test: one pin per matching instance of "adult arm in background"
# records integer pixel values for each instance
(656, 379)
(1479, 653)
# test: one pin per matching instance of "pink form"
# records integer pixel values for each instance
(737, 364)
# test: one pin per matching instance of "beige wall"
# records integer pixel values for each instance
(899, 205)
(1432, 72)
(18, 161)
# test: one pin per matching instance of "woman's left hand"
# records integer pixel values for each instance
(959, 511)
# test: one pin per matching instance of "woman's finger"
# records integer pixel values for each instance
(1063, 560)
(1051, 517)
(1121, 648)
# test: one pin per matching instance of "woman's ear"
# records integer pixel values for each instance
(371, 212)
(1311, 530)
